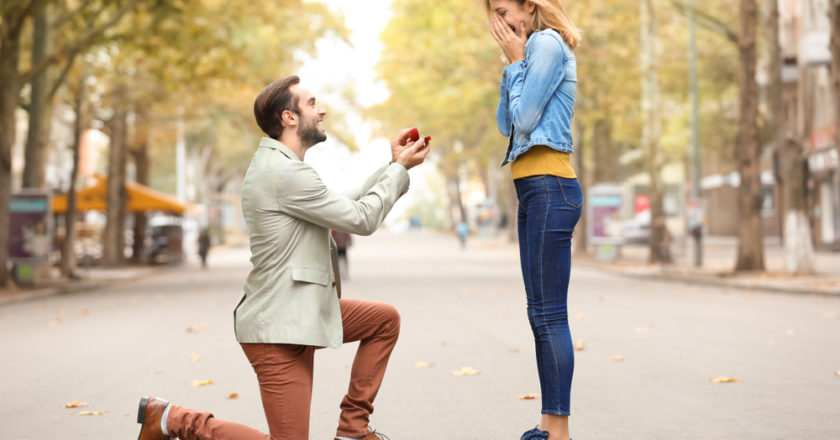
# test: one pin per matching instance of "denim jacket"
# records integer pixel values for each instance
(538, 96)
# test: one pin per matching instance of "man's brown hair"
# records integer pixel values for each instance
(272, 102)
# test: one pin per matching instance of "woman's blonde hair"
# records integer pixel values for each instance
(551, 14)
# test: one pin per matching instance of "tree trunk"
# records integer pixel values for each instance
(799, 253)
(141, 163)
(9, 89)
(796, 230)
(660, 251)
(604, 168)
(750, 244)
(580, 229)
(40, 107)
(834, 17)
(68, 254)
(116, 196)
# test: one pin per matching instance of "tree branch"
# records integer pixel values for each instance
(78, 45)
(707, 21)
(72, 15)
(63, 76)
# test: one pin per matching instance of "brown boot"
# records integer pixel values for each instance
(148, 415)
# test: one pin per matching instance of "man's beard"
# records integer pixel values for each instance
(309, 134)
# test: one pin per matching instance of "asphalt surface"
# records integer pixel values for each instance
(460, 308)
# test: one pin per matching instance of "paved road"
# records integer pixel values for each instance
(460, 308)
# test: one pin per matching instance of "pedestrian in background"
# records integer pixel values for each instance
(203, 246)
(535, 111)
(463, 230)
(343, 240)
(291, 302)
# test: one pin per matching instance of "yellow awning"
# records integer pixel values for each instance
(140, 198)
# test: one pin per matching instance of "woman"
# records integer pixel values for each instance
(535, 110)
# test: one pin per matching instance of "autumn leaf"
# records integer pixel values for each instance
(580, 344)
(466, 371)
(616, 358)
(528, 396)
(580, 316)
(195, 357)
(75, 404)
(789, 332)
(91, 413)
(642, 330)
(837, 373)
(422, 364)
(723, 379)
(201, 383)
(197, 328)
(233, 396)
(831, 316)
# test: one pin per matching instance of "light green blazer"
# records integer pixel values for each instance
(291, 294)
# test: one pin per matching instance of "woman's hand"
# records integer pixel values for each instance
(512, 44)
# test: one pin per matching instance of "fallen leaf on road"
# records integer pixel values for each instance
(84, 312)
(91, 413)
(580, 316)
(580, 344)
(837, 373)
(642, 330)
(466, 371)
(723, 379)
(616, 358)
(528, 396)
(195, 357)
(830, 316)
(75, 404)
(422, 364)
(466, 290)
(233, 396)
(201, 383)
(197, 328)
(789, 332)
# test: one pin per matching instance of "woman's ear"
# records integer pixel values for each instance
(531, 6)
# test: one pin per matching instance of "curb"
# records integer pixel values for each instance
(708, 281)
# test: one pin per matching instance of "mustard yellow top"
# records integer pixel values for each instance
(543, 160)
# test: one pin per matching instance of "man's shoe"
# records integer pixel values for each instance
(148, 415)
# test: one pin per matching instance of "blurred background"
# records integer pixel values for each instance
(704, 133)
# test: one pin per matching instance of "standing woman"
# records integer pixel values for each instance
(535, 111)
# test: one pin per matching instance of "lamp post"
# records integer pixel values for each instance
(695, 147)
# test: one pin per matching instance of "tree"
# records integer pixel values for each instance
(799, 255)
(750, 237)
(14, 16)
(660, 251)
(442, 71)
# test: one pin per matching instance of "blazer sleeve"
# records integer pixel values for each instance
(531, 82)
(302, 194)
(358, 192)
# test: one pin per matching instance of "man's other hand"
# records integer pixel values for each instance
(412, 154)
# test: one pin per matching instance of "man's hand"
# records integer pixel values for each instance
(413, 154)
(400, 143)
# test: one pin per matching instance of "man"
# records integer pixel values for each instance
(291, 302)
(203, 246)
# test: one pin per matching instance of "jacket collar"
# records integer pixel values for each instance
(267, 142)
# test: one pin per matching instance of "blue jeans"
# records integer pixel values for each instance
(549, 209)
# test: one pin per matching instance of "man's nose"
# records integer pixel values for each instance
(322, 111)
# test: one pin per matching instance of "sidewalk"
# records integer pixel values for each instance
(91, 279)
(719, 254)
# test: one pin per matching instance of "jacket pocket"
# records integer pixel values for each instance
(308, 275)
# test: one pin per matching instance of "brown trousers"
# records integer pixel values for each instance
(284, 373)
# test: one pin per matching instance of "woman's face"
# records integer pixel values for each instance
(513, 13)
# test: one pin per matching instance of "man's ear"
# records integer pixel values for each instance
(289, 118)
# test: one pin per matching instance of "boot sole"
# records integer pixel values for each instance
(141, 411)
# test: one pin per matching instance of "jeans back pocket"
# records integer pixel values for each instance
(572, 194)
